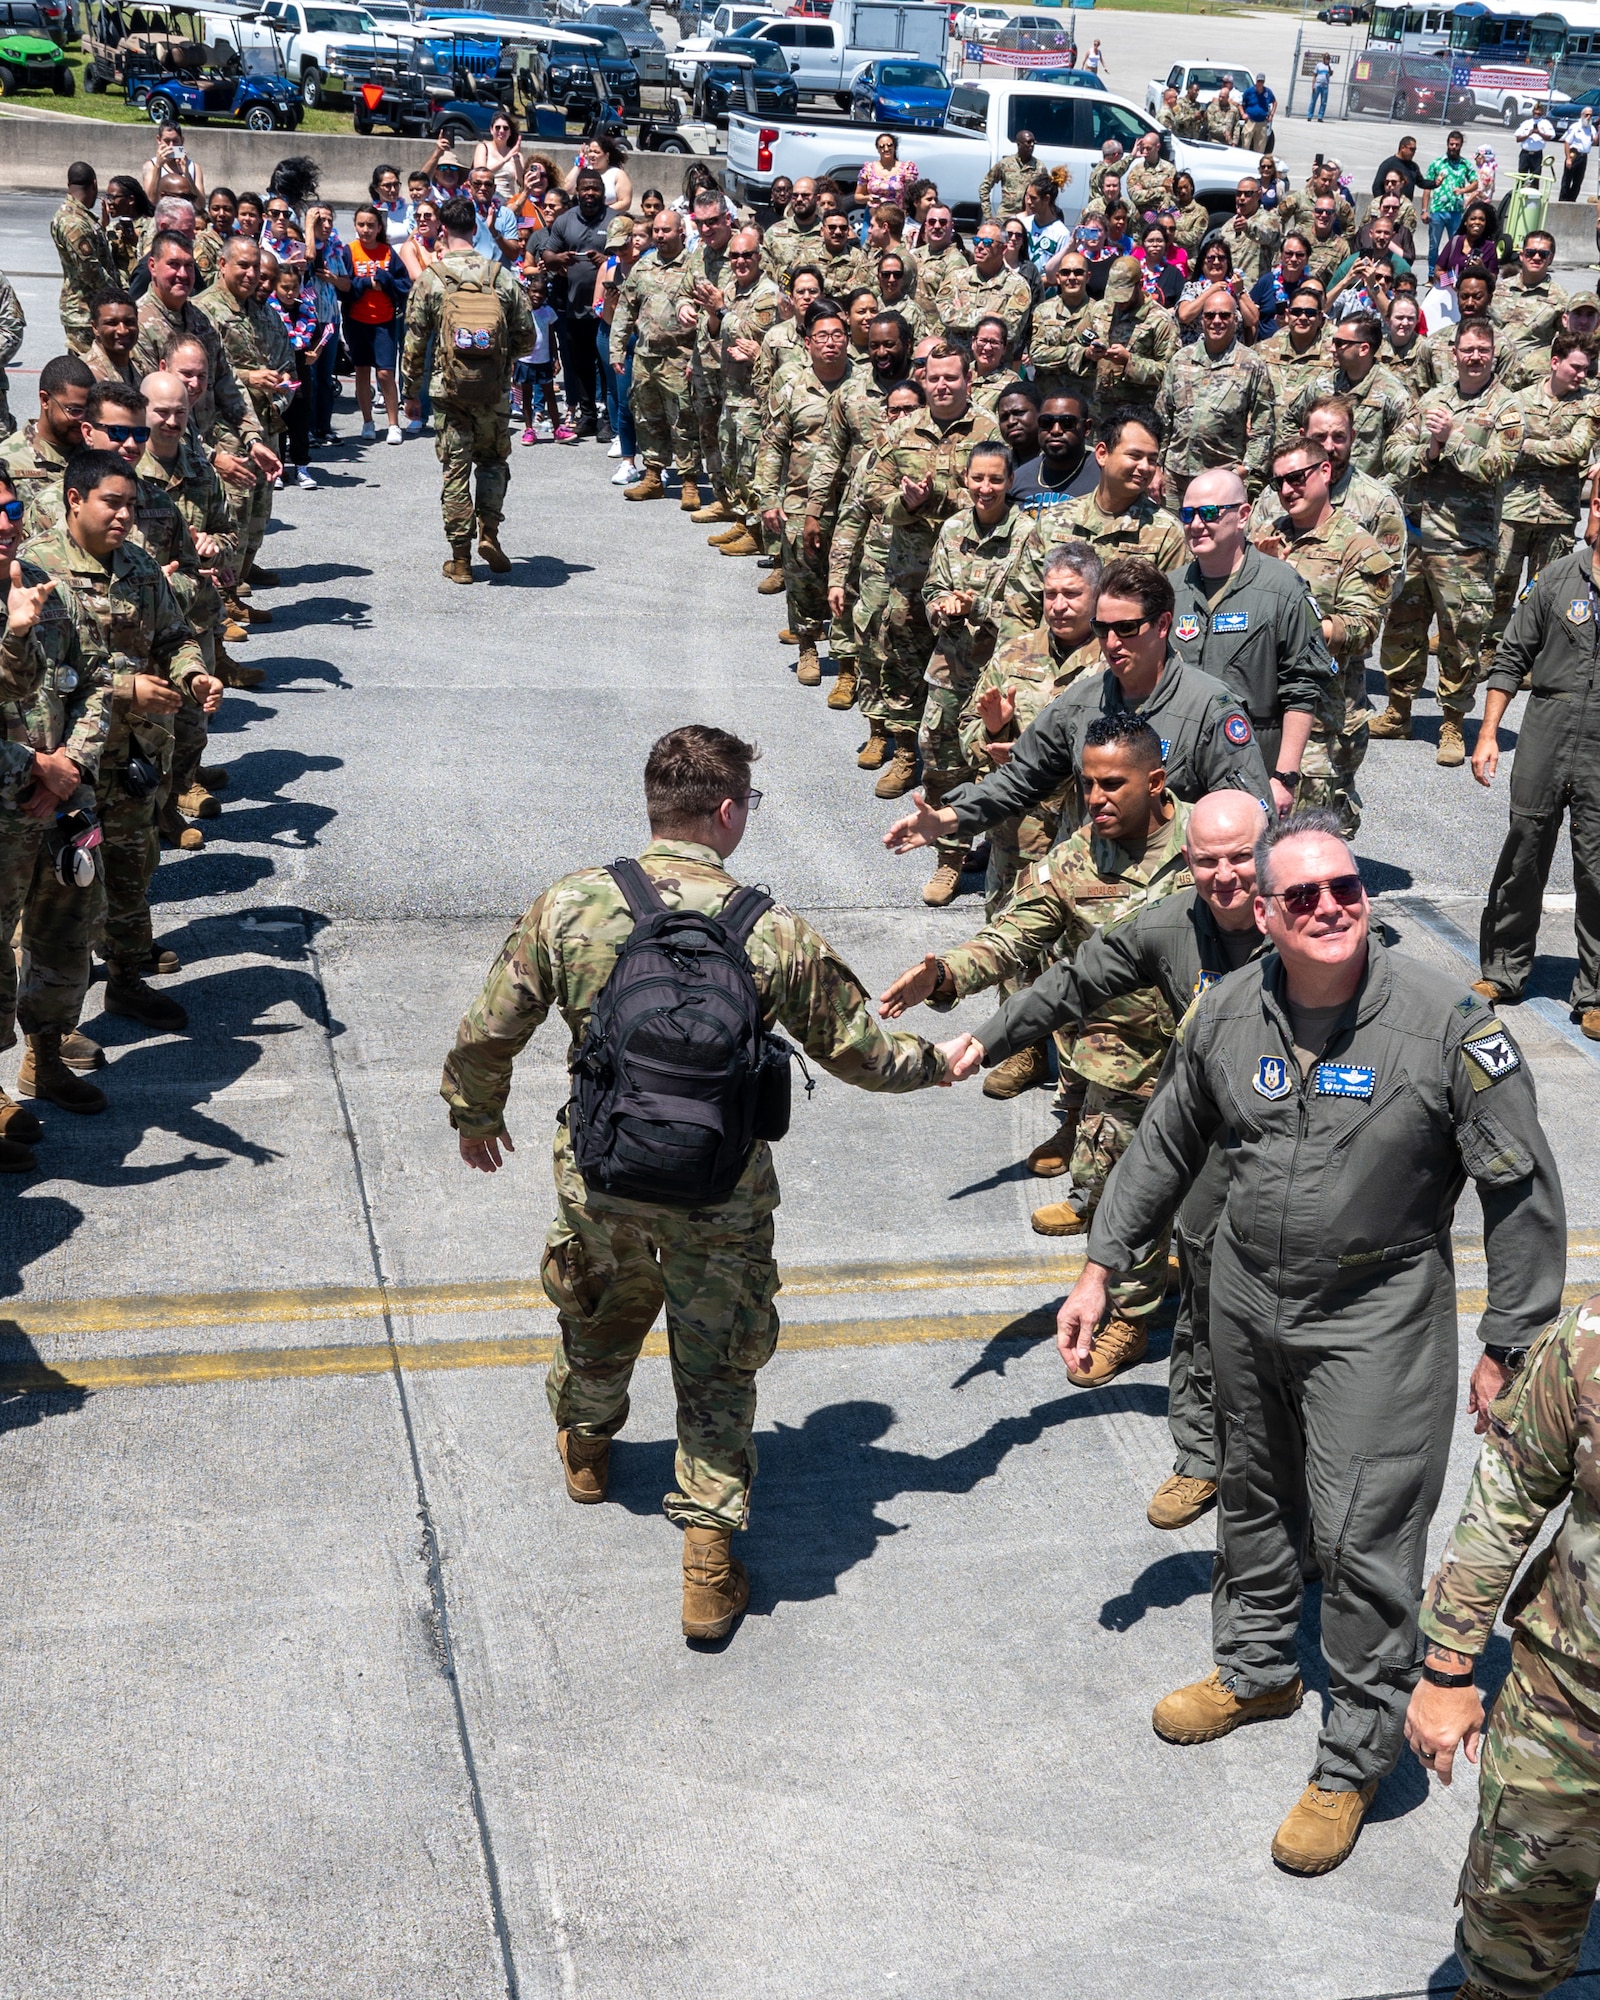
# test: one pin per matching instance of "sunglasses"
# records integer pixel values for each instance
(1301, 312)
(1337, 342)
(1124, 628)
(1214, 511)
(1305, 898)
(12, 509)
(1216, 319)
(121, 433)
(1297, 477)
(280, 214)
(1061, 423)
(1536, 256)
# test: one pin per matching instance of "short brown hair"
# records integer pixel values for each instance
(1567, 342)
(893, 218)
(1342, 404)
(950, 350)
(115, 396)
(1317, 454)
(1137, 577)
(690, 771)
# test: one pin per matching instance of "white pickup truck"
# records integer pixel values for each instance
(1210, 77)
(311, 41)
(1070, 124)
(826, 57)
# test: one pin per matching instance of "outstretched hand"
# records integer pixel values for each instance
(1079, 1319)
(963, 1058)
(909, 990)
(24, 602)
(925, 827)
(484, 1154)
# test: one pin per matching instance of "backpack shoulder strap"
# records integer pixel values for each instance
(638, 891)
(741, 913)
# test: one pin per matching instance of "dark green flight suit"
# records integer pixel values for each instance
(1176, 947)
(1554, 634)
(1263, 639)
(1207, 745)
(1333, 1306)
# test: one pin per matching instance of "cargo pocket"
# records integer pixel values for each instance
(1377, 1541)
(753, 1338)
(569, 1284)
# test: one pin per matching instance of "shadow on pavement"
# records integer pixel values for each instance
(1167, 1583)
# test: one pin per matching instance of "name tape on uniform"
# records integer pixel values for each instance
(1344, 1080)
(1231, 621)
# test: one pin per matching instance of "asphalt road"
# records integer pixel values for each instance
(314, 1680)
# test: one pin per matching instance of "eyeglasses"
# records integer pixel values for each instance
(1302, 312)
(1210, 513)
(1337, 342)
(1298, 477)
(752, 801)
(1216, 319)
(1061, 423)
(1124, 628)
(1305, 898)
(121, 433)
(1536, 256)
(12, 509)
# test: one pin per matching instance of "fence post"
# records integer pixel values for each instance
(1294, 71)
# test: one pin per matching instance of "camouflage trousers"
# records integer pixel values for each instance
(867, 616)
(1535, 543)
(738, 446)
(1533, 1862)
(57, 923)
(129, 851)
(842, 632)
(75, 338)
(468, 441)
(805, 579)
(705, 405)
(191, 732)
(907, 649)
(608, 1268)
(944, 762)
(1106, 1126)
(251, 510)
(1457, 588)
(662, 416)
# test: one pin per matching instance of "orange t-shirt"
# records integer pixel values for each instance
(373, 307)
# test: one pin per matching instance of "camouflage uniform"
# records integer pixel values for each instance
(1412, 370)
(648, 304)
(968, 296)
(1541, 501)
(1186, 119)
(844, 270)
(1013, 176)
(1055, 347)
(988, 389)
(935, 269)
(610, 1263)
(1003, 567)
(1326, 254)
(1087, 884)
(36, 468)
(855, 417)
(749, 315)
(790, 441)
(200, 502)
(476, 437)
(858, 555)
(13, 324)
(705, 366)
(208, 249)
(104, 369)
(252, 337)
(918, 322)
(126, 613)
(1151, 338)
(1192, 227)
(1533, 1862)
(87, 267)
(1223, 126)
(1455, 505)
(1255, 247)
(1218, 410)
(1149, 188)
(1381, 402)
(1144, 531)
(1528, 312)
(52, 697)
(1350, 577)
(1368, 503)
(225, 416)
(785, 245)
(781, 347)
(1292, 372)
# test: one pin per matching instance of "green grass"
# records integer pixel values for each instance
(114, 111)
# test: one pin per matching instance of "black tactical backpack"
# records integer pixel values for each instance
(677, 1078)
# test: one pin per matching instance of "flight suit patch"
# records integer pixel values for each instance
(1237, 730)
(1272, 1079)
(1206, 979)
(1343, 1080)
(1579, 611)
(1231, 621)
(1187, 627)
(1491, 1054)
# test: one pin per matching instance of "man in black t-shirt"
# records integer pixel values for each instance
(1065, 468)
(574, 250)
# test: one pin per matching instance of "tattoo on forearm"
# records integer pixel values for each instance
(1448, 1662)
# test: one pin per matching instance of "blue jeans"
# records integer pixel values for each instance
(1440, 229)
(618, 408)
(1318, 108)
(323, 387)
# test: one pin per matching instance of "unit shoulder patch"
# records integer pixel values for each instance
(1490, 1056)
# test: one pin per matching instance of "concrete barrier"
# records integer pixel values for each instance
(36, 152)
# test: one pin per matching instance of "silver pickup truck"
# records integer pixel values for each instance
(1070, 123)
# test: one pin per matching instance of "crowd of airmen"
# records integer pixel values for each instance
(135, 502)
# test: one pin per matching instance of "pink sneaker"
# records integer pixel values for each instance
(527, 436)
(565, 434)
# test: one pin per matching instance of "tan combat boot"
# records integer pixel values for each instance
(79, 1053)
(715, 1586)
(772, 585)
(141, 1002)
(18, 1125)
(197, 803)
(874, 753)
(1321, 1829)
(236, 628)
(489, 547)
(943, 886)
(258, 614)
(1179, 1500)
(1028, 1069)
(459, 568)
(743, 544)
(1120, 1343)
(809, 670)
(899, 775)
(235, 674)
(172, 829)
(44, 1074)
(1053, 1156)
(718, 510)
(843, 692)
(1495, 995)
(724, 536)
(1394, 724)
(1061, 1218)
(586, 1464)
(1589, 1023)
(648, 488)
(689, 495)
(1452, 746)
(1205, 1710)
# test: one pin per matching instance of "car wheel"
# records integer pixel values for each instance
(8, 80)
(259, 118)
(63, 83)
(842, 99)
(1510, 117)
(673, 146)
(311, 86)
(1356, 102)
(161, 110)
(92, 86)
(361, 119)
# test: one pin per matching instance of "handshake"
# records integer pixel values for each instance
(963, 1055)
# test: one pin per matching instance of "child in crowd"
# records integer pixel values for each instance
(534, 377)
(296, 307)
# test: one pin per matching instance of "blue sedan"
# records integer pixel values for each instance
(1084, 78)
(896, 92)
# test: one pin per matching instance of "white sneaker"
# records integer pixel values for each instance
(368, 433)
(278, 483)
(616, 448)
(625, 474)
(393, 436)
(303, 478)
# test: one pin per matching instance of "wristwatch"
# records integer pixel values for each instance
(1437, 1677)
(1288, 779)
(1508, 1358)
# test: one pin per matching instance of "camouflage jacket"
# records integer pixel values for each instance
(203, 502)
(935, 269)
(1528, 312)
(648, 305)
(1456, 499)
(52, 696)
(785, 245)
(713, 266)
(855, 417)
(1192, 228)
(1326, 254)
(844, 270)
(780, 347)
(424, 314)
(1347, 573)
(1151, 338)
(561, 954)
(225, 415)
(916, 448)
(1292, 375)
(1003, 568)
(13, 325)
(1218, 410)
(208, 249)
(129, 620)
(988, 389)
(128, 242)
(919, 322)
(36, 469)
(1381, 403)
(1055, 338)
(857, 526)
(1255, 246)
(1186, 119)
(791, 438)
(252, 337)
(165, 524)
(1542, 1448)
(968, 296)
(104, 369)
(1297, 212)
(1031, 670)
(748, 315)
(1149, 188)
(1145, 530)
(1367, 503)
(1413, 370)
(87, 265)
(1012, 176)
(1223, 126)
(1087, 884)
(1558, 441)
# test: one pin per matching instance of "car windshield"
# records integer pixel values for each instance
(338, 21)
(627, 19)
(1214, 79)
(912, 76)
(766, 55)
(611, 43)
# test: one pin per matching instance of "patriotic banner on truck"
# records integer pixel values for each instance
(981, 52)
